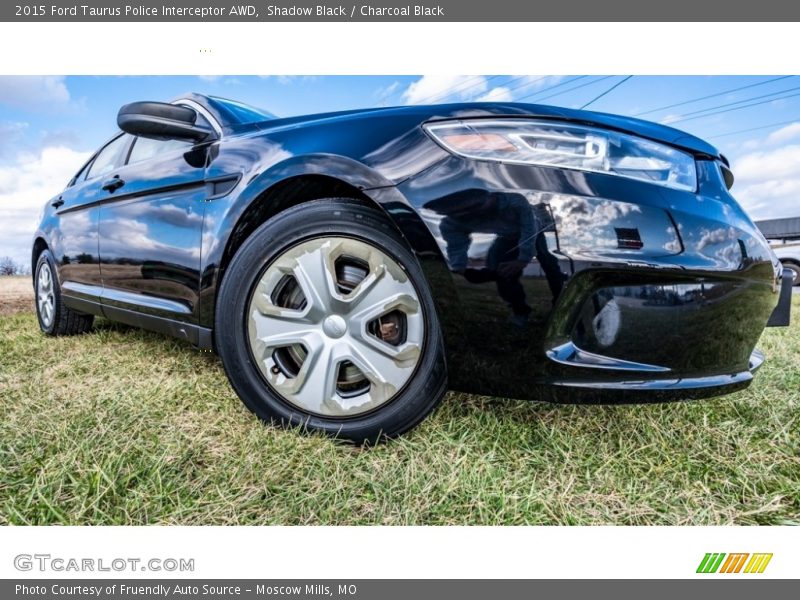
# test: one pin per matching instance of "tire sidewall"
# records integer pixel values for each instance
(308, 221)
(47, 258)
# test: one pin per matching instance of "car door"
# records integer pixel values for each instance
(150, 230)
(75, 244)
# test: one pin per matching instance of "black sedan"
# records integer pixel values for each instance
(349, 267)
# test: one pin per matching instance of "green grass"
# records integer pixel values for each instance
(126, 427)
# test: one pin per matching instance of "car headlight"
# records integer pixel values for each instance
(568, 146)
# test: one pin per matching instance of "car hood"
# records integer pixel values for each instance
(647, 129)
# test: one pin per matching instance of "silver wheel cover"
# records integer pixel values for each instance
(45, 295)
(367, 338)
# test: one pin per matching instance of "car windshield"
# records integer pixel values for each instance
(242, 113)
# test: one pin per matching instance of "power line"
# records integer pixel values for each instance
(719, 112)
(551, 87)
(797, 120)
(611, 89)
(577, 87)
(478, 79)
(697, 112)
(693, 100)
(526, 83)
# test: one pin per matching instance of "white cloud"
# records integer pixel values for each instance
(219, 79)
(531, 83)
(384, 93)
(768, 181)
(431, 89)
(291, 79)
(11, 134)
(28, 91)
(778, 137)
(769, 164)
(60, 137)
(784, 134)
(497, 94)
(25, 186)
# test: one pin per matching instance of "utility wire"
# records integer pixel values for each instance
(577, 87)
(693, 100)
(611, 89)
(477, 79)
(719, 112)
(551, 87)
(697, 112)
(719, 135)
(526, 83)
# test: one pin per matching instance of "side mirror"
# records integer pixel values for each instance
(162, 121)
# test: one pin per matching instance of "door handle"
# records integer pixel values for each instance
(57, 203)
(113, 184)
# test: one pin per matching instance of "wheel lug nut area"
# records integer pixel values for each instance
(334, 326)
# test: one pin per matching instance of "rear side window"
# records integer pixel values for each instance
(108, 158)
(81, 175)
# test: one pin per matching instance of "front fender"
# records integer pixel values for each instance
(225, 215)
(222, 215)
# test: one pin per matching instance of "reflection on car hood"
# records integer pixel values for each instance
(647, 129)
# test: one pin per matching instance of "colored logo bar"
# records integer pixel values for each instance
(736, 562)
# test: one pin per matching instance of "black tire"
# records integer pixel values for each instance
(64, 321)
(794, 268)
(338, 217)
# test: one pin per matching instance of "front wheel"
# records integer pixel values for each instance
(324, 320)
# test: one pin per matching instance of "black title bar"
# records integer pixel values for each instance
(394, 10)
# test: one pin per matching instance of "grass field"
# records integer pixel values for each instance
(127, 427)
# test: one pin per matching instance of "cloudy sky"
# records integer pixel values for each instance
(50, 125)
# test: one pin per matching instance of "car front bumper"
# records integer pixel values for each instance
(577, 287)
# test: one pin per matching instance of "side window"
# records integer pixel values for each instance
(146, 148)
(108, 158)
(80, 176)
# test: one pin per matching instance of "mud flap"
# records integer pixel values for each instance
(780, 316)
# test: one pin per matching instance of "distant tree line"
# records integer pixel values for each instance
(8, 266)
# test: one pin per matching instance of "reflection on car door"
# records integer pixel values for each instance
(150, 230)
(75, 246)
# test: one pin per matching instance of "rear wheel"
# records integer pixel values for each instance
(325, 320)
(795, 269)
(54, 317)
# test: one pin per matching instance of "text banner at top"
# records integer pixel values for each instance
(394, 10)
